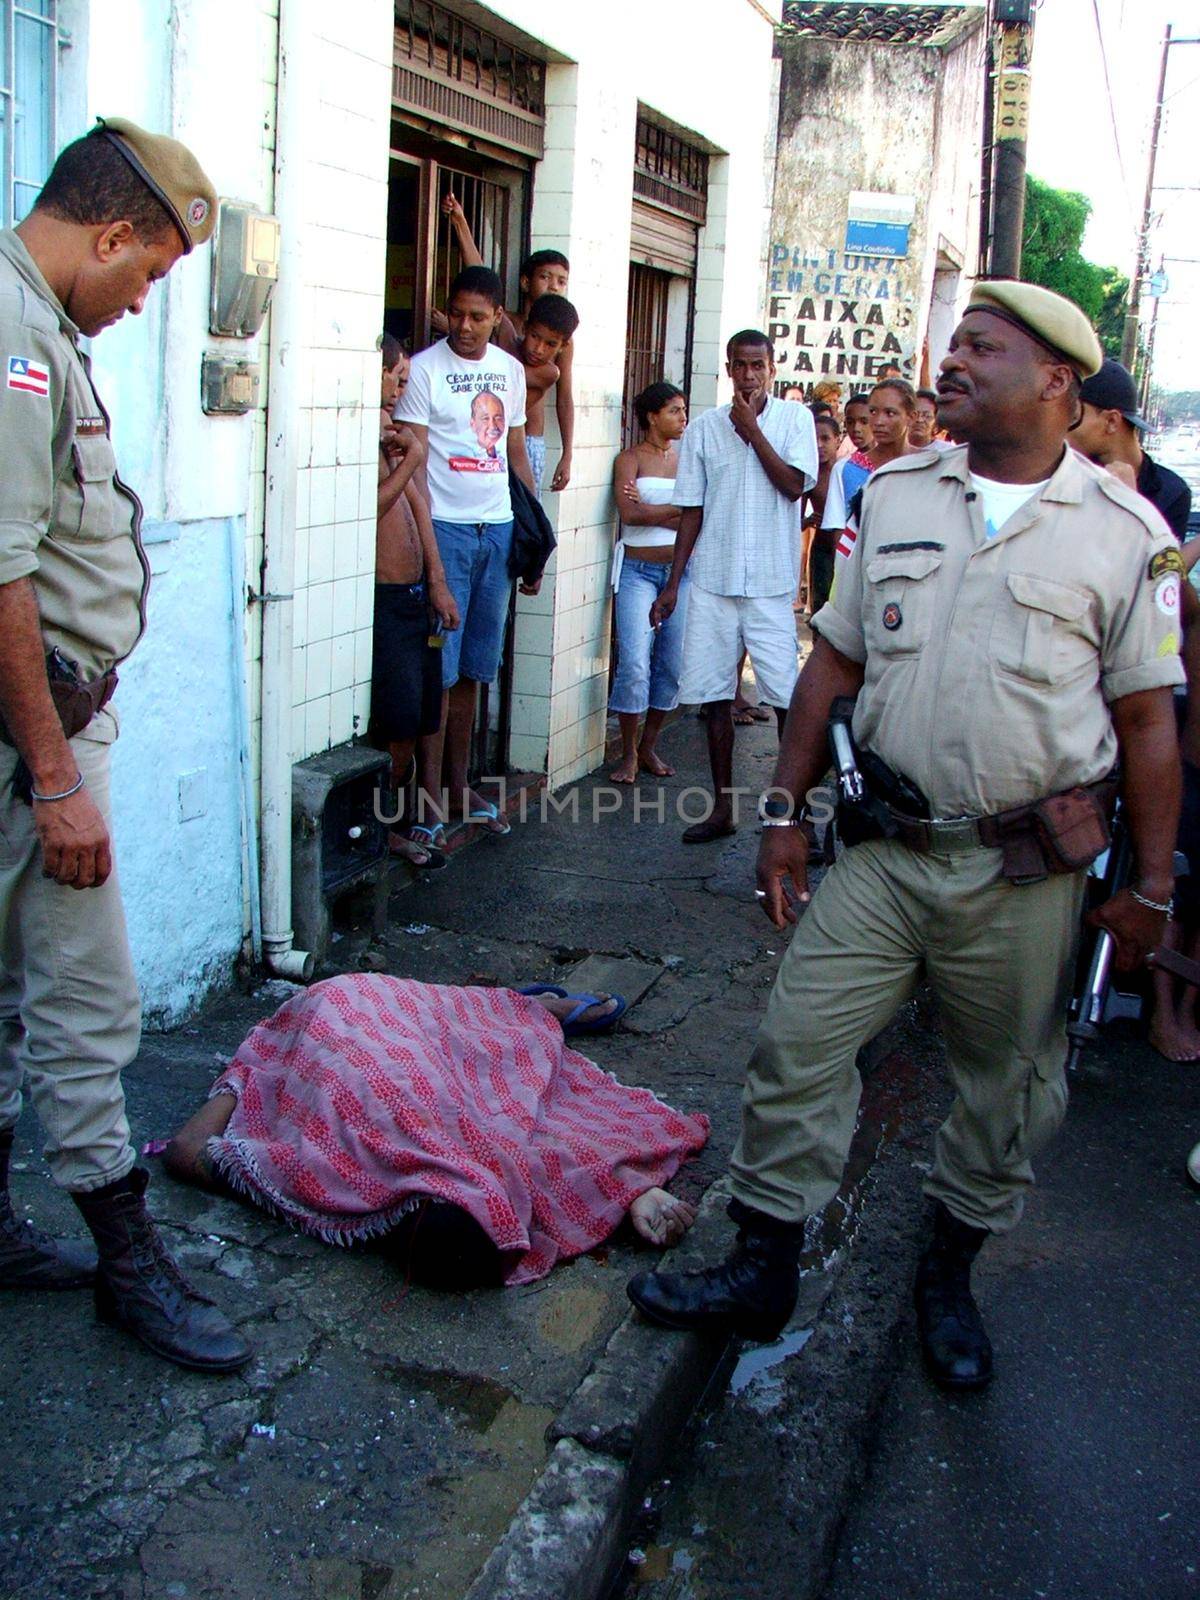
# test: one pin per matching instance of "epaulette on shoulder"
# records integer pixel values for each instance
(1129, 500)
(917, 461)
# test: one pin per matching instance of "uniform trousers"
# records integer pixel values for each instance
(999, 959)
(70, 1013)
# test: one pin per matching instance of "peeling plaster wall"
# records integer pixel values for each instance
(889, 119)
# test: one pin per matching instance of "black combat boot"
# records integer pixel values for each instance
(954, 1342)
(29, 1258)
(139, 1287)
(752, 1293)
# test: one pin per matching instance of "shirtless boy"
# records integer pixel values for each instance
(410, 589)
(545, 272)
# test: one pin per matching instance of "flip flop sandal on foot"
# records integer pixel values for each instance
(574, 1024)
(430, 841)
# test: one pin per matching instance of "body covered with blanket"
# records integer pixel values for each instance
(366, 1096)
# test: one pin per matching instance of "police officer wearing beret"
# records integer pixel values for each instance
(1008, 622)
(118, 210)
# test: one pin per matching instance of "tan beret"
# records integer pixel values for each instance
(172, 174)
(1049, 318)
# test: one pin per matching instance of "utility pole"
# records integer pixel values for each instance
(1014, 50)
(1129, 335)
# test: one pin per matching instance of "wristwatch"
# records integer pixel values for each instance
(776, 812)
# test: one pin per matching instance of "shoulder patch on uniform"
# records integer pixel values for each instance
(28, 376)
(1162, 562)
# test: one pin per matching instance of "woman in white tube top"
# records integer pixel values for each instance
(647, 677)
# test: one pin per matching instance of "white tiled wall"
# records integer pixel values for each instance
(342, 253)
(582, 203)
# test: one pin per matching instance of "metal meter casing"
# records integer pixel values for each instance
(245, 268)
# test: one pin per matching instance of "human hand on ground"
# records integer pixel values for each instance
(1136, 930)
(562, 476)
(444, 605)
(76, 850)
(664, 606)
(782, 858)
(661, 1218)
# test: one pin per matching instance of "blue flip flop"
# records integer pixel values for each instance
(544, 988)
(583, 1004)
(487, 812)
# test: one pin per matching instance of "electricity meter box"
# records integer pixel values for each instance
(245, 269)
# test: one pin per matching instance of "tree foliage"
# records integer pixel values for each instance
(1052, 255)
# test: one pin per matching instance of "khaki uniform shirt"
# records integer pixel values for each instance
(990, 664)
(67, 522)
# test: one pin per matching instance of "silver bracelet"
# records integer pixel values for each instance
(65, 795)
(1153, 905)
(782, 822)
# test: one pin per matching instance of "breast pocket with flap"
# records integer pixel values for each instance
(1040, 629)
(898, 601)
(99, 506)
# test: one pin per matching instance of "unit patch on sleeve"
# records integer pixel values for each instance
(28, 376)
(1165, 561)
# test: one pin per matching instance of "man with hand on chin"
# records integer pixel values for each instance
(743, 471)
(1000, 677)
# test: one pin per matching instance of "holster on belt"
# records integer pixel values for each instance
(76, 701)
(1063, 833)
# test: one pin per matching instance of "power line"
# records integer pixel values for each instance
(1112, 110)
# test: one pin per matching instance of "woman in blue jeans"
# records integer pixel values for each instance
(647, 677)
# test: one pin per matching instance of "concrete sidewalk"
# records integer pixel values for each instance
(384, 1436)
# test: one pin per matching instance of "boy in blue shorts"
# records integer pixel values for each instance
(465, 402)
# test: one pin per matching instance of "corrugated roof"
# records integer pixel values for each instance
(879, 21)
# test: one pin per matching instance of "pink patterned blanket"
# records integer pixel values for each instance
(366, 1092)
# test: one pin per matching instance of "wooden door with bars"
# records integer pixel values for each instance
(646, 346)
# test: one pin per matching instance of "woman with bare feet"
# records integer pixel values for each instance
(453, 1126)
(647, 677)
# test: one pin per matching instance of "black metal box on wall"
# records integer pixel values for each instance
(338, 841)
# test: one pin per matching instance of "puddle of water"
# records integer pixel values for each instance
(754, 1363)
(477, 1401)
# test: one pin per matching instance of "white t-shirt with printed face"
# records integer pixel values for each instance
(468, 407)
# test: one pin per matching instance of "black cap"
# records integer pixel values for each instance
(1113, 389)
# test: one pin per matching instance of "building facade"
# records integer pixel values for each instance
(646, 158)
(875, 224)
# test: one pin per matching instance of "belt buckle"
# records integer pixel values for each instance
(955, 833)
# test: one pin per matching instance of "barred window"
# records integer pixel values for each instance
(28, 72)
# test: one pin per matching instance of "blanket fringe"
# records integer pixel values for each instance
(241, 1172)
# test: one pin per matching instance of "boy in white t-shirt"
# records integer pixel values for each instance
(465, 401)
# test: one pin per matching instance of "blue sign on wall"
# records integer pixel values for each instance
(878, 224)
(876, 238)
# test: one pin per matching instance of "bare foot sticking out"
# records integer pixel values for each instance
(1172, 1040)
(562, 1008)
(626, 773)
(661, 1218)
(655, 765)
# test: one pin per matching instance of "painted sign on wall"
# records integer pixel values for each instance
(840, 314)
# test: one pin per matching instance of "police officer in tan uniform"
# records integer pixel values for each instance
(118, 210)
(1009, 623)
